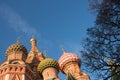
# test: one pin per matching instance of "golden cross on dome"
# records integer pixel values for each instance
(62, 48)
(33, 36)
(45, 52)
(18, 39)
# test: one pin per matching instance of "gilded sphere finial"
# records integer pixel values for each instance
(33, 41)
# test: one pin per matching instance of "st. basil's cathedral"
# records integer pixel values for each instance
(19, 65)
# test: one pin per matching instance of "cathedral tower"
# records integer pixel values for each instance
(15, 68)
(70, 65)
(34, 58)
(21, 65)
(48, 69)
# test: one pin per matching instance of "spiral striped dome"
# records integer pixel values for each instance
(15, 47)
(66, 58)
(47, 62)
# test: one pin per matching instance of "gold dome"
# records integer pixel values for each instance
(48, 62)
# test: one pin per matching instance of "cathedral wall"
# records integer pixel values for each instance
(50, 73)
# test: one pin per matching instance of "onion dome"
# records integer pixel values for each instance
(16, 47)
(47, 62)
(68, 57)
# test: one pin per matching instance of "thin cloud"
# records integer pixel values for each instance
(15, 21)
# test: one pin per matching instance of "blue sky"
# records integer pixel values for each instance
(54, 23)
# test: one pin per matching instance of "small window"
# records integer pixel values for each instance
(10, 68)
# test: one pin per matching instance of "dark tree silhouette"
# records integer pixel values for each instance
(102, 46)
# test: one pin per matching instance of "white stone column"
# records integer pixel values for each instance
(7, 76)
(23, 77)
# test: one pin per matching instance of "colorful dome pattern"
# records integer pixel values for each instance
(16, 47)
(68, 57)
(48, 62)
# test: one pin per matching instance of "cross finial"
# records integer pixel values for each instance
(18, 39)
(62, 48)
(44, 52)
(33, 36)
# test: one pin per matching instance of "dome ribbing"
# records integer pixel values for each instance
(46, 63)
(66, 58)
(16, 47)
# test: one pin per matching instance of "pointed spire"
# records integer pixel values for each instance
(33, 45)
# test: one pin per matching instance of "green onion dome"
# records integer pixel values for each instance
(16, 47)
(46, 63)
